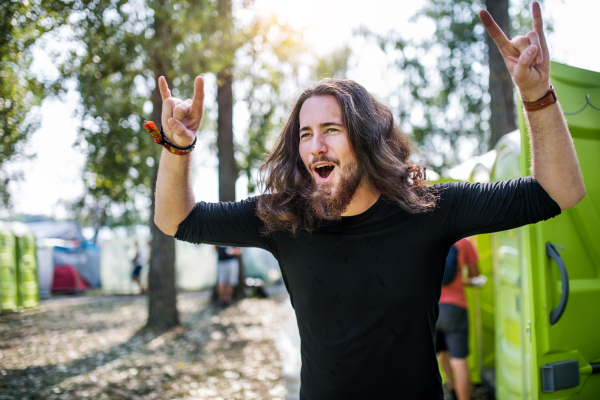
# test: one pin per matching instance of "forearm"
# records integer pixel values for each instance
(554, 162)
(174, 198)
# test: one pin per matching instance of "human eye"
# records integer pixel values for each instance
(305, 135)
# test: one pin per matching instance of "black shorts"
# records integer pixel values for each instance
(452, 331)
(136, 272)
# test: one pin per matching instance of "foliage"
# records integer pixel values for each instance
(124, 46)
(21, 24)
(445, 95)
(266, 62)
(334, 65)
(114, 66)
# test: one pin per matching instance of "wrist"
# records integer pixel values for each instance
(160, 138)
(544, 101)
(534, 94)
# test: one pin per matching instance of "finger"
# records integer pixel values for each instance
(493, 29)
(181, 110)
(538, 27)
(534, 39)
(198, 100)
(165, 93)
(521, 43)
(181, 135)
(167, 112)
(522, 68)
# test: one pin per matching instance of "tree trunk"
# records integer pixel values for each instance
(502, 120)
(162, 293)
(228, 171)
(227, 165)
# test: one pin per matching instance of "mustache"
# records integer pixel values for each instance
(334, 161)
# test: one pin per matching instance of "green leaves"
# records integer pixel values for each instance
(445, 97)
(21, 24)
(124, 46)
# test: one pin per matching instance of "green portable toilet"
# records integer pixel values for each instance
(547, 301)
(480, 300)
(8, 270)
(565, 302)
(28, 294)
(512, 355)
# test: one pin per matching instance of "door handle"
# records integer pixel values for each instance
(552, 252)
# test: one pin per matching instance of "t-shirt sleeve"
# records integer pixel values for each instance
(224, 224)
(467, 209)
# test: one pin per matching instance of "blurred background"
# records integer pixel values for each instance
(77, 168)
(84, 88)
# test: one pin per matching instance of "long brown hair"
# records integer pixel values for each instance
(381, 148)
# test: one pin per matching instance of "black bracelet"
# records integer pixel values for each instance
(165, 141)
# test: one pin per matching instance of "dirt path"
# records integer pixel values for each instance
(96, 349)
(93, 347)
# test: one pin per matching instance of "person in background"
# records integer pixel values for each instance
(452, 328)
(228, 267)
(138, 261)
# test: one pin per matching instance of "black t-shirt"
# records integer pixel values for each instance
(366, 288)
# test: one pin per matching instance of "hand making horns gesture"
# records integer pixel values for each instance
(181, 118)
(526, 57)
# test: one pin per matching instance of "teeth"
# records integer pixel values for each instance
(323, 165)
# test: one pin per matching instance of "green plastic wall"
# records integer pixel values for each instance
(576, 335)
(27, 279)
(510, 328)
(8, 271)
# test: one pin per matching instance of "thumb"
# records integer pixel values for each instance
(526, 60)
(181, 135)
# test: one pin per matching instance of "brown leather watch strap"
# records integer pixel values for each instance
(548, 99)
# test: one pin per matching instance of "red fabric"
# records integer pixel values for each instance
(66, 279)
(454, 292)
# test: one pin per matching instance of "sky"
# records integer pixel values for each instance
(55, 175)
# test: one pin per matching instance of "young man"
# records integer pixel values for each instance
(360, 238)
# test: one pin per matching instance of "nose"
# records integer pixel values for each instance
(318, 145)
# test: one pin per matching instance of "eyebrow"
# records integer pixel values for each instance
(323, 125)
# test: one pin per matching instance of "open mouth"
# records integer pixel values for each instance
(323, 171)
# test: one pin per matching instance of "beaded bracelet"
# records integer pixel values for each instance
(159, 137)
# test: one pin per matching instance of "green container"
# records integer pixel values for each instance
(512, 333)
(27, 276)
(576, 335)
(8, 270)
(508, 250)
(540, 352)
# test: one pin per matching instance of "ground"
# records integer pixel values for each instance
(98, 350)
(94, 347)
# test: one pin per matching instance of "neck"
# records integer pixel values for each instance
(364, 198)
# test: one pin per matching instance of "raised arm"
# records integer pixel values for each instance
(180, 120)
(554, 162)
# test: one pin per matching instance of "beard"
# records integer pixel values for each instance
(326, 206)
